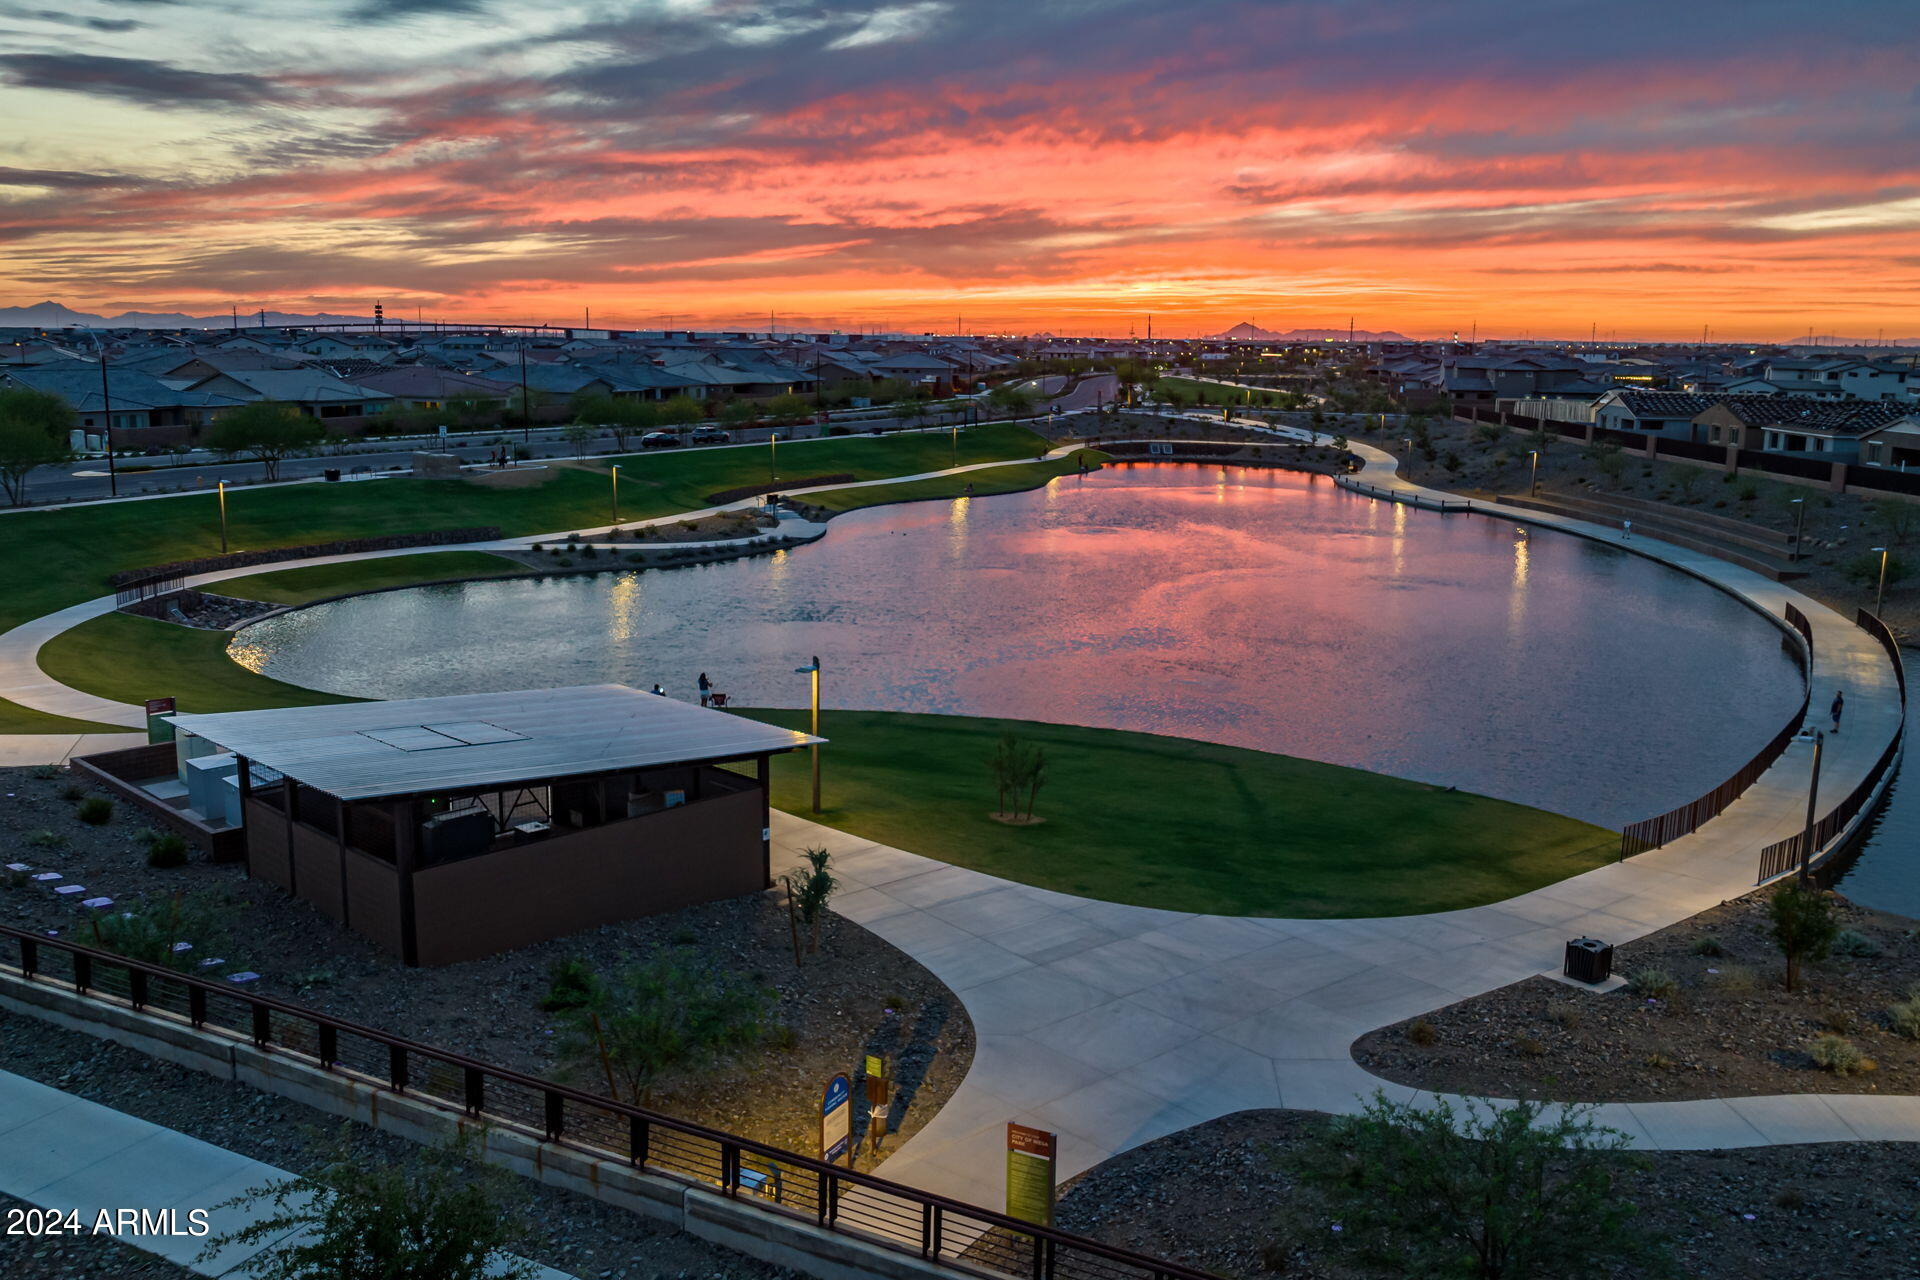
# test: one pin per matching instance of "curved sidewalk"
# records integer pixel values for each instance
(1114, 1025)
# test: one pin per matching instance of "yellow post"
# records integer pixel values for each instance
(616, 493)
(816, 733)
(773, 456)
(223, 517)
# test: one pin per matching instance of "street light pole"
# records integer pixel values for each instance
(956, 445)
(223, 517)
(813, 672)
(106, 416)
(616, 493)
(773, 457)
(1533, 485)
(1813, 797)
(1799, 524)
(1880, 596)
(526, 406)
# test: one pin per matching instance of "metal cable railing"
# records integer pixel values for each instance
(767, 1178)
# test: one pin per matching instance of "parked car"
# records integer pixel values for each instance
(659, 440)
(711, 435)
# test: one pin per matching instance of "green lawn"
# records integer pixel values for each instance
(322, 581)
(131, 659)
(1208, 393)
(1189, 826)
(74, 550)
(1008, 479)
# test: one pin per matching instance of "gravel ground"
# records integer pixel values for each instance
(1730, 1030)
(75, 1257)
(1210, 1196)
(859, 996)
(577, 1234)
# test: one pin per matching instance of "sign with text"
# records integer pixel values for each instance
(836, 1119)
(1031, 1157)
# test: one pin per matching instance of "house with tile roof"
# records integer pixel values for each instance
(1832, 429)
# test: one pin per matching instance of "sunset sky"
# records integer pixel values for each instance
(1064, 165)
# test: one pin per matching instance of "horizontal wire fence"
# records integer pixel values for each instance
(967, 1237)
(1665, 828)
(1406, 497)
(1783, 855)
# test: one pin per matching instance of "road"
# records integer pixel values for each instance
(88, 480)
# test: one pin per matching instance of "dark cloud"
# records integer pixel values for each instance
(149, 83)
(395, 10)
(65, 179)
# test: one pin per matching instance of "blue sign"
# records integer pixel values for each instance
(836, 1119)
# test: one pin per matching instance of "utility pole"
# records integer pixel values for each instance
(526, 409)
(1813, 797)
(106, 416)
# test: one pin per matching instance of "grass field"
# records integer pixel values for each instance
(1189, 826)
(1207, 393)
(130, 659)
(1008, 479)
(74, 550)
(320, 581)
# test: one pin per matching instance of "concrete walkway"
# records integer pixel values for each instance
(1114, 1025)
(64, 1153)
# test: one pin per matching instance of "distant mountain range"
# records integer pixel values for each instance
(54, 315)
(1244, 332)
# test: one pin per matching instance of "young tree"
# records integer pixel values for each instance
(580, 434)
(442, 1215)
(737, 413)
(656, 1015)
(1803, 925)
(1523, 1190)
(681, 411)
(34, 426)
(790, 407)
(268, 431)
(808, 891)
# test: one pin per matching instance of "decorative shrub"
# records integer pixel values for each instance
(1904, 1018)
(1421, 1032)
(96, 811)
(166, 849)
(44, 839)
(1528, 1047)
(1851, 942)
(1653, 984)
(1839, 1055)
(1735, 979)
(1707, 945)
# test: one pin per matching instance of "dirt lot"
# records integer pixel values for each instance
(1729, 1030)
(1478, 460)
(1210, 1196)
(859, 996)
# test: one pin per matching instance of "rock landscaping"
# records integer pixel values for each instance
(858, 996)
(579, 1235)
(1704, 1015)
(1211, 1195)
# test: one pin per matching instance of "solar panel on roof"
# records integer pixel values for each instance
(413, 737)
(473, 732)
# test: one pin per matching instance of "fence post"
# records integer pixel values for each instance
(329, 1046)
(556, 1115)
(639, 1137)
(29, 958)
(137, 988)
(82, 972)
(197, 1005)
(262, 1025)
(476, 1090)
(397, 1068)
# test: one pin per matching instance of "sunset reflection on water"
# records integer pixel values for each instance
(1262, 609)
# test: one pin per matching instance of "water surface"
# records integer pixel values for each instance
(1256, 608)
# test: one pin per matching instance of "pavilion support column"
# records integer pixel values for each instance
(406, 843)
(763, 770)
(340, 831)
(245, 777)
(293, 863)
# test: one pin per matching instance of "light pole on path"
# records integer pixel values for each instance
(616, 493)
(1533, 485)
(223, 517)
(1813, 797)
(814, 673)
(1880, 596)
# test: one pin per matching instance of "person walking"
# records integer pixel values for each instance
(1626, 530)
(706, 689)
(657, 689)
(1839, 705)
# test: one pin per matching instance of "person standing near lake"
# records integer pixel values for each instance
(706, 689)
(1839, 705)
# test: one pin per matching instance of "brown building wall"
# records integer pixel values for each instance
(267, 844)
(373, 901)
(660, 862)
(316, 859)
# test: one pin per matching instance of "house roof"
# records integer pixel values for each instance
(78, 383)
(302, 385)
(467, 742)
(1663, 404)
(1828, 417)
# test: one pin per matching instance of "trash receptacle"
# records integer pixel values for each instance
(333, 473)
(1589, 960)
